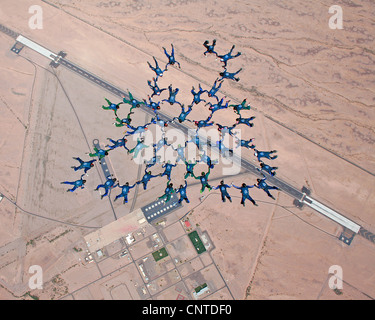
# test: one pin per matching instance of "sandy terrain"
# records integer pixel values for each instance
(312, 92)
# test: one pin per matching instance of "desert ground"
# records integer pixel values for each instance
(312, 92)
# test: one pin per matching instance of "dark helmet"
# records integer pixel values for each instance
(84, 181)
(106, 153)
(244, 184)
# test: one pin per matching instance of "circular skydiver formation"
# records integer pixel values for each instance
(112, 182)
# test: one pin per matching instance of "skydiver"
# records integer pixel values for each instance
(229, 75)
(195, 139)
(162, 142)
(210, 47)
(86, 165)
(223, 189)
(100, 153)
(169, 190)
(207, 160)
(265, 167)
(197, 95)
(245, 143)
(180, 152)
(132, 101)
(217, 106)
(238, 107)
(171, 58)
(182, 191)
(261, 184)
(156, 69)
(225, 129)
(172, 96)
(118, 143)
(76, 184)
(225, 57)
(214, 89)
(139, 129)
(264, 154)
(108, 185)
(154, 160)
(123, 122)
(125, 191)
(204, 123)
(159, 121)
(152, 104)
(189, 169)
(245, 121)
(204, 180)
(245, 193)
(146, 178)
(168, 169)
(184, 113)
(222, 148)
(112, 106)
(156, 91)
(139, 147)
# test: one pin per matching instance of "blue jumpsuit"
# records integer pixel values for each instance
(184, 114)
(210, 47)
(171, 58)
(156, 69)
(156, 91)
(76, 184)
(139, 147)
(108, 185)
(124, 192)
(265, 167)
(86, 165)
(214, 89)
(172, 96)
(245, 194)
(225, 57)
(168, 170)
(245, 121)
(154, 106)
(197, 95)
(264, 186)
(245, 144)
(217, 106)
(146, 178)
(224, 193)
(182, 191)
(117, 143)
(264, 154)
(228, 75)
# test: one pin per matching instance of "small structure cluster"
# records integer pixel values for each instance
(197, 98)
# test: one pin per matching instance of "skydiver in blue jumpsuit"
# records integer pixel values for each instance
(225, 57)
(204, 123)
(195, 139)
(245, 193)
(86, 165)
(184, 113)
(146, 178)
(264, 154)
(108, 185)
(154, 106)
(223, 189)
(100, 153)
(125, 191)
(161, 143)
(182, 191)
(207, 160)
(156, 69)
(245, 143)
(210, 47)
(225, 129)
(171, 58)
(214, 89)
(136, 130)
(162, 123)
(168, 169)
(118, 143)
(222, 148)
(76, 184)
(156, 91)
(197, 95)
(229, 75)
(180, 152)
(265, 167)
(172, 95)
(261, 184)
(217, 106)
(245, 121)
